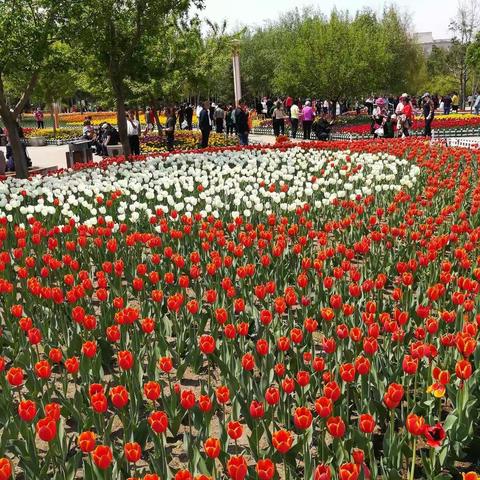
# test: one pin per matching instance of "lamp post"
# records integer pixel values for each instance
(236, 70)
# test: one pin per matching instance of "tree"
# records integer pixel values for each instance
(28, 29)
(62, 82)
(123, 30)
(338, 58)
(463, 27)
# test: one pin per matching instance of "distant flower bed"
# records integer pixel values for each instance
(440, 121)
(48, 133)
(184, 140)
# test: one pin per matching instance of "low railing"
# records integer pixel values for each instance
(438, 133)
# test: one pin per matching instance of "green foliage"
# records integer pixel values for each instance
(305, 54)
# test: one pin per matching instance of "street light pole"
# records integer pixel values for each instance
(236, 70)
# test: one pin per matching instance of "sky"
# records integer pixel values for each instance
(426, 15)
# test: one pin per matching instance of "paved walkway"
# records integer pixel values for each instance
(52, 155)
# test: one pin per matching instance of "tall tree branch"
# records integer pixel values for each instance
(26, 93)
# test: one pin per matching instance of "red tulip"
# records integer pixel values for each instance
(257, 410)
(183, 475)
(322, 472)
(282, 441)
(434, 435)
(223, 394)
(234, 430)
(132, 451)
(15, 376)
(265, 469)
(366, 423)
(415, 424)
(46, 429)
(207, 344)
(102, 456)
(158, 421)
(152, 390)
(237, 467)
(119, 396)
(348, 471)
(212, 447)
(27, 410)
(86, 441)
(324, 406)
(302, 418)
(272, 396)
(187, 399)
(5, 469)
(336, 427)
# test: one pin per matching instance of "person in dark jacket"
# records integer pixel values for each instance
(388, 126)
(322, 128)
(170, 128)
(204, 123)
(241, 122)
(189, 116)
(428, 113)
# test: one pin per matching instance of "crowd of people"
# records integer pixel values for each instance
(390, 117)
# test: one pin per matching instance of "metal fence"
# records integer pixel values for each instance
(438, 133)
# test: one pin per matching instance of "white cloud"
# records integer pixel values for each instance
(427, 15)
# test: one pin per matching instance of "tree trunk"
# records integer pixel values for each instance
(52, 114)
(122, 125)
(117, 84)
(21, 167)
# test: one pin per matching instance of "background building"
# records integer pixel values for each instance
(426, 41)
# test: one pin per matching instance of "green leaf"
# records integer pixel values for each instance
(450, 422)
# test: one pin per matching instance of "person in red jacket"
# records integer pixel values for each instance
(408, 113)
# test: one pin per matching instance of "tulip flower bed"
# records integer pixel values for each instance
(184, 140)
(297, 313)
(443, 122)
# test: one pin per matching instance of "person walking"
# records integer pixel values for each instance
(428, 113)
(447, 104)
(278, 117)
(378, 117)
(399, 113)
(219, 119)
(181, 117)
(39, 118)
(204, 123)
(269, 107)
(133, 132)
(294, 114)
(288, 104)
(408, 113)
(455, 102)
(476, 105)
(241, 122)
(189, 116)
(307, 119)
(230, 120)
(170, 128)
(149, 120)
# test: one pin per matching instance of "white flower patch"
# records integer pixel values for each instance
(225, 184)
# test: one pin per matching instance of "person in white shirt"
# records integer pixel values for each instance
(199, 110)
(133, 132)
(326, 106)
(399, 113)
(294, 114)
